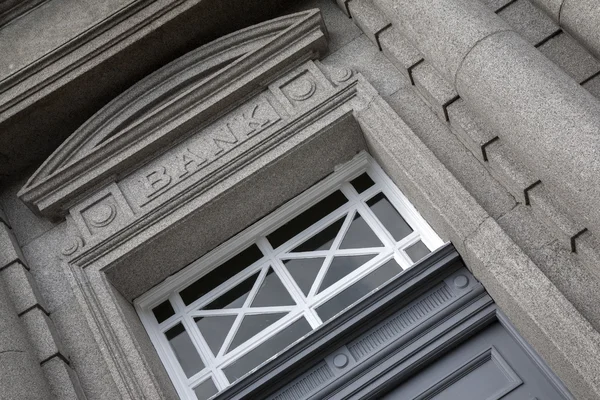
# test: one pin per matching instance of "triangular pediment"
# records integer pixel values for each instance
(160, 109)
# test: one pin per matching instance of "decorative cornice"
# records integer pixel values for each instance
(163, 108)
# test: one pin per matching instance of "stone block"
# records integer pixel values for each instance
(21, 377)
(21, 287)
(581, 18)
(473, 133)
(560, 265)
(370, 20)
(10, 251)
(63, 380)
(505, 167)
(571, 57)
(362, 56)
(399, 50)
(587, 248)
(436, 91)
(530, 22)
(593, 86)
(43, 335)
(550, 7)
(436, 135)
(495, 5)
(553, 217)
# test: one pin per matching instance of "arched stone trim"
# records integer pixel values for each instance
(167, 105)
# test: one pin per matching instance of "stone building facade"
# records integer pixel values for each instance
(141, 140)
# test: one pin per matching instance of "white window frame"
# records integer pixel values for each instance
(255, 234)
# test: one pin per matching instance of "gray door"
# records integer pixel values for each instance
(490, 365)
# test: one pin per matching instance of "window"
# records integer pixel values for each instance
(271, 285)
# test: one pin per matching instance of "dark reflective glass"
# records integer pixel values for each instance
(362, 182)
(184, 350)
(359, 235)
(323, 239)
(389, 216)
(341, 267)
(272, 292)
(205, 390)
(359, 289)
(253, 324)
(163, 311)
(214, 329)
(304, 271)
(307, 218)
(220, 274)
(235, 297)
(267, 349)
(417, 251)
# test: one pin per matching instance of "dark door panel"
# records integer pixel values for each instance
(490, 365)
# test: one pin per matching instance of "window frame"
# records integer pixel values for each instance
(343, 174)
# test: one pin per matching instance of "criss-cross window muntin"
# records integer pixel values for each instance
(271, 285)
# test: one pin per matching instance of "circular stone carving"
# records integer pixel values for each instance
(461, 281)
(103, 215)
(340, 361)
(342, 74)
(72, 246)
(302, 89)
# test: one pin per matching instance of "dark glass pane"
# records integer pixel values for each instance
(272, 292)
(215, 329)
(220, 274)
(359, 235)
(253, 324)
(304, 271)
(184, 350)
(323, 239)
(417, 251)
(267, 349)
(389, 216)
(307, 218)
(359, 289)
(342, 266)
(163, 311)
(362, 183)
(205, 390)
(235, 297)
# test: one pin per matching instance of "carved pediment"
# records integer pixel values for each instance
(162, 109)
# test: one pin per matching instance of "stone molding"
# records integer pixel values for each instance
(13, 9)
(129, 130)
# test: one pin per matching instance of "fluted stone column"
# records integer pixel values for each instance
(547, 118)
(581, 18)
